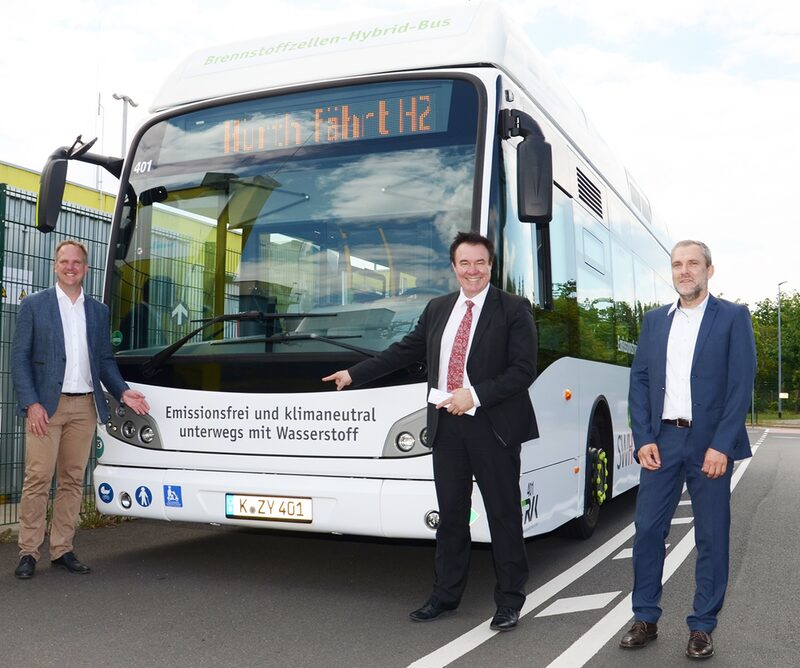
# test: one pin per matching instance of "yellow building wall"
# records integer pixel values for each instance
(28, 179)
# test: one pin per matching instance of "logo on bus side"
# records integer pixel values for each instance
(624, 456)
(530, 505)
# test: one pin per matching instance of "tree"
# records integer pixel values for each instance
(765, 327)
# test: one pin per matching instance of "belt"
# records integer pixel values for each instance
(678, 422)
(76, 394)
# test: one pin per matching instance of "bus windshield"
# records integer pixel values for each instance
(330, 210)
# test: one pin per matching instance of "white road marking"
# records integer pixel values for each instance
(465, 643)
(565, 606)
(480, 634)
(627, 553)
(591, 642)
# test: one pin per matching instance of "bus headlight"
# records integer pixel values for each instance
(405, 442)
(407, 437)
(128, 429)
(136, 430)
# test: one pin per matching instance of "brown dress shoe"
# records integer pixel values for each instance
(639, 635)
(700, 645)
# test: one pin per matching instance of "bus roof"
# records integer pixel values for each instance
(479, 33)
(468, 34)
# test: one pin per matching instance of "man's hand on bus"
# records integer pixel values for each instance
(341, 378)
(459, 402)
(135, 401)
(715, 463)
(649, 457)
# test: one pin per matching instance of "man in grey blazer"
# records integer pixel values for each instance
(60, 356)
(690, 388)
(490, 371)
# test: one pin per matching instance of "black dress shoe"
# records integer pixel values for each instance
(639, 635)
(700, 645)
(433, 609)
(69, 561)
(26, 568)
(505, 619)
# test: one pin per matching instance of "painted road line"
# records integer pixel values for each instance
(565, 606)
(591, 642)
(480, 634)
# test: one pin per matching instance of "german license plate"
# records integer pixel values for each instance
(270, 508)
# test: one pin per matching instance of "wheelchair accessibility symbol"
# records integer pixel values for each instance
(172, 496)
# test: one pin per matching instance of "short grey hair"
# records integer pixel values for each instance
(692, 242)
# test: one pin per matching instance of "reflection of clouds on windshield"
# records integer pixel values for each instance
(198, 136)
(435, 182)
(430, 266)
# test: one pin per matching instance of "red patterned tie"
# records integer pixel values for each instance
(455, 367)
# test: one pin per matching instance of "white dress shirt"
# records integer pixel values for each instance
(78, 374)
(449, 335)
(680, 353)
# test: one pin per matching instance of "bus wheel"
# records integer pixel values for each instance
(596, 488)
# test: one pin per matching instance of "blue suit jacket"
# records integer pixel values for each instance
(38, 355)
(723, 370)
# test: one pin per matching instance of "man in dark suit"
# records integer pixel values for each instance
(480, 348)
(690, 388)
(60, 355)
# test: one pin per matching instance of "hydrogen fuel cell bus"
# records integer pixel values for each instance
(287, 211)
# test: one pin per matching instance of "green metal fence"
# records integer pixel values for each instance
(26, 265)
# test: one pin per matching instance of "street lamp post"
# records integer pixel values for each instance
(125, 102)
(780, 379)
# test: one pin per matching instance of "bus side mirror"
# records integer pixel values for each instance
(51, 192)
(535, 180)
(54, 179)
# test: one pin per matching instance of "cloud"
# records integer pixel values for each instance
(699, 98)
(713, 147)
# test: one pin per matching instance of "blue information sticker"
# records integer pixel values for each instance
(105, 492)
(172, 496)
(144, 497)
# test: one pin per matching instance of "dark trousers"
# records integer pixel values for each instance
(466, 447)
(657, 498)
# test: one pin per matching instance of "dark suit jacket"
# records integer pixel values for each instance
(501, 364)
(723, 370)
(38, 355)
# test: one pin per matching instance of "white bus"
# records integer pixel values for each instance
(288, 210)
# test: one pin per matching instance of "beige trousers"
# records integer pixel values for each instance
(64, 451)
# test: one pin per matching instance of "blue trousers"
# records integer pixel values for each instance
(657, 498)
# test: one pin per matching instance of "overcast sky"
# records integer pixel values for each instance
(700, 99)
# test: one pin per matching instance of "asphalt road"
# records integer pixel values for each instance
(172, 594)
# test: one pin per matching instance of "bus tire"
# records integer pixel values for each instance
(595, 487)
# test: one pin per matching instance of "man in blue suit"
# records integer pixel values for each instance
(60, 355)
(690, 388)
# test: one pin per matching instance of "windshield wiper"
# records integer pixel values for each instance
(151, 366)
(333, 340)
